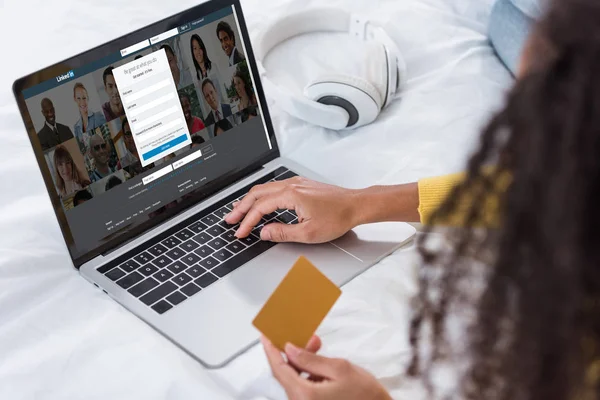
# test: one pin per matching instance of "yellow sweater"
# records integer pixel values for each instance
(433, 192)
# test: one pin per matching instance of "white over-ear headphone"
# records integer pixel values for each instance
(337, 101)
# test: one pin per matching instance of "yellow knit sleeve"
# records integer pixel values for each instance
(433, 192)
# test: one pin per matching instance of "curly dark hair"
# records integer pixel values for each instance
(535, 330)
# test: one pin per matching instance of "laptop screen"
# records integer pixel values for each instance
(133, 132)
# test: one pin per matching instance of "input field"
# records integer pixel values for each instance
(164, 36)
(147, 91)
(146, 137)
(133, 48)
(154, 103)
(157, 175)
(187, 160)
(156, 117)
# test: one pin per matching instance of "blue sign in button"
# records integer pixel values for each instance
(164, 147)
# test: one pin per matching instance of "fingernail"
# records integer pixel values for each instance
(236, 234)
(292, 350)
(226, 216)
(235, 204)
(265, 234)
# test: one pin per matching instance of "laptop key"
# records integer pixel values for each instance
(287, 175)
(158, 293)
(148, 269)
(279, 171)
(197, 227)
(235, 247)
(286, 217)
(105, 268)
(176, 253)
(209, 263)
(171, 242)
(157, 250)
(217, 243)
(143, 287)
(189, 245)
(162, 261)
(176, 298)
(143, 258)
(249, 240)
(204, 251)
(162, 307)
(115, 274)
(182, 279)
(195, 271)
(163, 275)
(215, 230)
(228, 236)
(177, 267)
(242, 258)
(202, 238)
(227, 226)
(270, 216)
(185, 234)
(222, 254)
(190, 259)
(257, 229)
(190, 289)
(129, 266)
(222, 212)
(130, 280)
(206, 280)
(210, 220)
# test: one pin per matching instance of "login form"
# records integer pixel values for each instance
(152, 107)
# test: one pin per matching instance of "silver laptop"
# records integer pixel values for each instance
(144, 143)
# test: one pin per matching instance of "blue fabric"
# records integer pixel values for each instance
(510, 24)
(95, 120)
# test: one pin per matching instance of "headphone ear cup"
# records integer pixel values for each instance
(356, 96)
(377, 69)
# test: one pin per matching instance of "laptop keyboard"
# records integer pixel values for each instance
(193, 255)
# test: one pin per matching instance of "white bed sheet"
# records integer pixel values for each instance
(60, 338)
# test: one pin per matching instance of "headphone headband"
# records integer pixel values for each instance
(323, 20)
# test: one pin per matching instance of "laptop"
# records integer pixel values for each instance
(144, 143)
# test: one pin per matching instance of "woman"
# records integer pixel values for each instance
(536, 329)
(88, 120)
(202, 62)
(69, 179)
(244, 91)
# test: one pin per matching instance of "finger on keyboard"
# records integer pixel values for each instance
(247, 203)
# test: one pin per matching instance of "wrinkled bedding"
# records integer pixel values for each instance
(60, 338)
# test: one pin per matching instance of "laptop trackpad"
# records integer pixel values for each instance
(372, 242)
(220, 326)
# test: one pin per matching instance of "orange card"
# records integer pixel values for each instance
(298, 306)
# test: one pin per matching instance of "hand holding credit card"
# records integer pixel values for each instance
(297, 306)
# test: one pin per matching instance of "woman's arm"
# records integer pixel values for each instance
(326, 212)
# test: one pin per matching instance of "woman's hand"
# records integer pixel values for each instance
(329, 378)
(325, 212)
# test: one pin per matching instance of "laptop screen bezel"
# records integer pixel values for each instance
(174, 21)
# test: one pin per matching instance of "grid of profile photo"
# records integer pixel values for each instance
(211, 74)
(87, 143)
(84, 132)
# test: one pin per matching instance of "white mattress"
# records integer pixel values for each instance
(60, 338)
